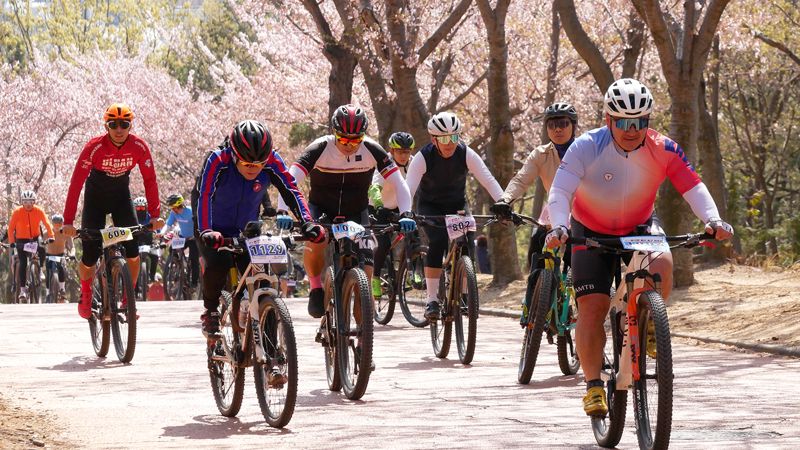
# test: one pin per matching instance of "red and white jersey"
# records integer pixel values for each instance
(101, 155)
(613, 191)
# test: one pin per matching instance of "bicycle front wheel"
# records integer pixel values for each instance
(411, 289)
(123, 311)
(276, 378)
(99, 328)
(538, 296)
(466, 307)
(54, 288)
(384, 303)
(652, 393)
(442, 329)
(608, 429)
(141, 283)
(327, 334)
(173, 282)
(567, 353)
(354, 342)
(227, 377)
(34, 283)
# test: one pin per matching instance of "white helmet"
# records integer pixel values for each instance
(627, 98)
(28, 195)
(444, 124)
(140, 201)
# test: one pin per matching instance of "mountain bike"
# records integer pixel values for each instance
(458, 287)
(55, 294)
(256, 330)
(637, 307)
(346, 328)
(34, 273)
(143, 282)
(404, 284)
(113, 301)
(176, 276)
(549, 307)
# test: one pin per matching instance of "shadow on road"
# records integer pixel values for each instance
(216, 427)
(85, 364)
(324, 397)
(430, 362)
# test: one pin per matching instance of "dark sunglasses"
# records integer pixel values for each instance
(113, 124)
(639, 123)
(552, 124)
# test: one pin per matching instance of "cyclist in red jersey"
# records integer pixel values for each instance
(104, 166)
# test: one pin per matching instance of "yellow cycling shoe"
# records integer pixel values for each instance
(651, 340)
(594, 402)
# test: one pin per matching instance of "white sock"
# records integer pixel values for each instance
(61, 284)
(432, 286)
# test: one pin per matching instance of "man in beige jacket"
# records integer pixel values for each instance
(560, 120)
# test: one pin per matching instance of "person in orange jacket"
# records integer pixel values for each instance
(24, 228)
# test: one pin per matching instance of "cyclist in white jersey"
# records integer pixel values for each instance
(611, 176)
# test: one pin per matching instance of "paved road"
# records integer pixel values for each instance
(723, 399)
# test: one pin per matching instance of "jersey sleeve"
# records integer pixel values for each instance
(401, 191)
(208, 183)
(308, 159)
(416, 169)
(79, 175)
(680, 171)
(148, 170)
(479, 170)
(383, 162)
(43, 220)
(523, 179)
(12, 226)
(285, 182)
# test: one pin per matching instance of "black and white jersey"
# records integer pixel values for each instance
(339, 183)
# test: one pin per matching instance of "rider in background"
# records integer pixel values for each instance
(440, 171)
(228, 194)
(104, 166)
(401, 145)
(608, 181)
(561, 121)
(25, 227)
(59, 246)
(143, 217)
(182, 214)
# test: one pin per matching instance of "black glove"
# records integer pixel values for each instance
(313, 231)
(501, 209)
(212, 239)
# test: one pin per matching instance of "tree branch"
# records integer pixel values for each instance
(588, 50)
(464, 94)
(705, 37)
(772, 43)
(444, 28)
(652, 15)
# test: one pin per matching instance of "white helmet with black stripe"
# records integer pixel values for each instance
(444, 124)
(628, 99)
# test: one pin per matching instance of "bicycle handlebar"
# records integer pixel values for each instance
(615, 243)
(93, 233)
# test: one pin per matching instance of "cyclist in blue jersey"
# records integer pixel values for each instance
(228, 193)
(182, 215)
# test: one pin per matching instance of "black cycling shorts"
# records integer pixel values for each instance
(593, 270)
(97, 203)
(438, 240)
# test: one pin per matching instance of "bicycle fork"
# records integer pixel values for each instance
(631, 351)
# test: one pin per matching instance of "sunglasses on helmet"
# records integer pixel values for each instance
(638, 123)
(114, 124)
(349, 140)
(444, 140)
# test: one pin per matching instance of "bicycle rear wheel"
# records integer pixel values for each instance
(328, 335)
(538, 295)
(143, 278)
(384, 304)
(227, 377)
(276, 380)
(412, 294)
(354, 345)
(608, 429)
(123, 311)
(466, 302)
(568, 360)
(99, 329)
(652, 393)
(442, 329)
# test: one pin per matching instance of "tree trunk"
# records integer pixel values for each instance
(340, 78)
(503, 242)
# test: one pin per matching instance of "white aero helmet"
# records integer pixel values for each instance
(28, 195)
(444, 124)
(627, 98)
(139, 201)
